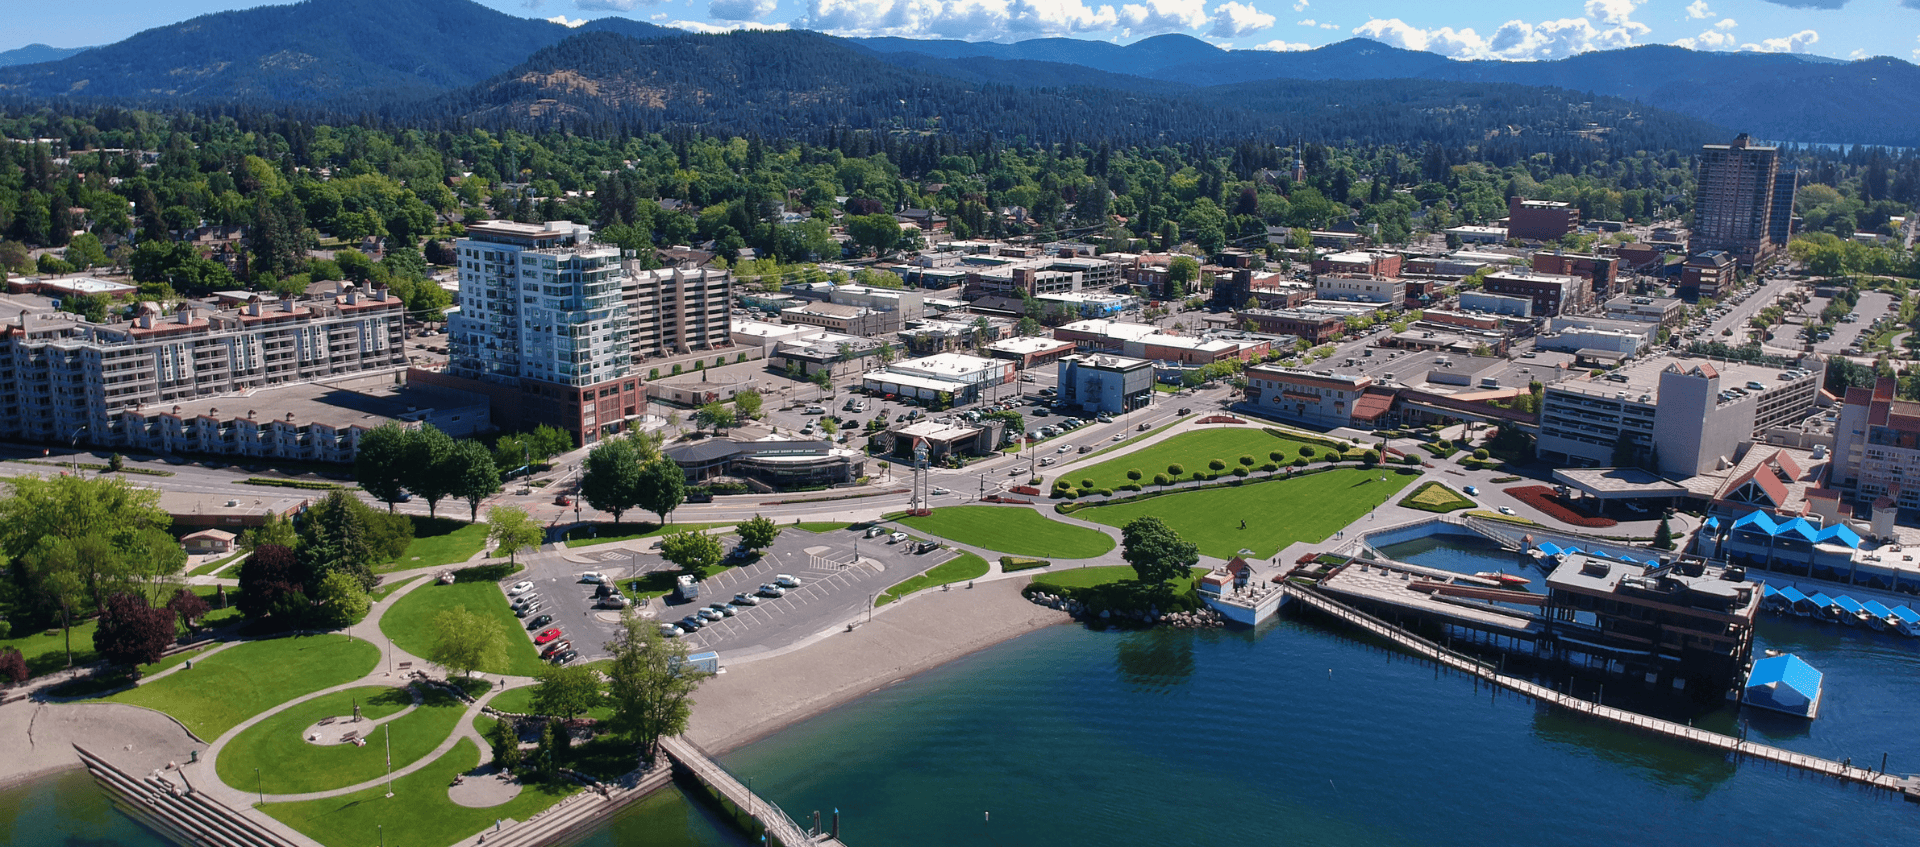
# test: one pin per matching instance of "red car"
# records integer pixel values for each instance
(562, 500)
(547, 635)
(555, 647)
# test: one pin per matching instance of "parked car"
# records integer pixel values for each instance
(771, 590)
(691, 623)
(816, 410)
(671, 630)
(547, 636)
(539, 622)
(723, 610)
(526, 610)
(521, 587)
(593, 576)
(564, 657)
(745, 600)
(560, 646)
(790, 581)
(709, 614)
(896, 538)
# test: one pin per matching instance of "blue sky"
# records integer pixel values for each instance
(1503, 29)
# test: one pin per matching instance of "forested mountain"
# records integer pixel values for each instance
(36, 53)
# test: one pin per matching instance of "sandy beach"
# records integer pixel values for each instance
(927, 630)
(40, 738)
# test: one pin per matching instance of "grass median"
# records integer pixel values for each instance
(1275, 513)
(1016, 530)
(410, 622)
(289, 764)
(967, 566)
(237, 683)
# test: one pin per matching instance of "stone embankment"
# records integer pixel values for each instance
(1204, 618)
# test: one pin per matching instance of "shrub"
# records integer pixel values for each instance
(1162, 479)
(1241, 471)
(1306, 451)
(1086, 482)
(1133, 473)
(1200, 476)
(1269, 467)
(1247, 460)
(1105, 492)
(1066, 493)
(1300, 462)
(1175, 469)
(1131, 486)
(1278, 456)
(1410, 459)
(1443, 444)
(1481, 454)
(1009, 564)
(1217, 465)
(485, 573)
(1372, 457)
(1059, 484)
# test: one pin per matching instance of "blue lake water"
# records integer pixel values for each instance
(1292, 733)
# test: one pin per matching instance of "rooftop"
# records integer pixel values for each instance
(1643, 377)
(366, 401)
(1709, 591)
(1027, 345)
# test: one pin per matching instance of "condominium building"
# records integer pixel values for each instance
(64, 379)
(1540, 220)
(1876, 445)
(1743, 201)
(678, 310)
(1691, 414)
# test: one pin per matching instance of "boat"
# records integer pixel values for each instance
(1879, 616)
(1849, 611)
(1504, 578)
(1907, 621)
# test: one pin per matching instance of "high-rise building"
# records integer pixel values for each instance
(1743, 201)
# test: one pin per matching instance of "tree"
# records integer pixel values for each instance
(340, 533)
(714, 415)
(1181, 272)
(747, 404)
(268, 573)
(1663, 535)
(13, 666)
(1157, 553)
(475, 476)
(274, 530)
(1624, 453)
(379, 463)
(823, 378)
(758, 533)
(877, 232)
(567, 690)
(610, 477)
(649, 684)
(429, 471)
(505, 741)
(132, 632)
(188, 607)
(691, 549)
(467, 641)
(512, 530)
(339, 601)
(663, 487)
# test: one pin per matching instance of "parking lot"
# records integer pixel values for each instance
(835, 589)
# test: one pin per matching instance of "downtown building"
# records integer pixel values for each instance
(1743, 201)
(552, 326)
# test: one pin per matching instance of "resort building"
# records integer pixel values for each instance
(1684, 625)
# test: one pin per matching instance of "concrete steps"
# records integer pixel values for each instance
(186, 816)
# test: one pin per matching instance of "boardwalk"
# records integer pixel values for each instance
(1910, 787)
(780, 828)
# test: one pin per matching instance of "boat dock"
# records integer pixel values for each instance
(778, 827)
(1907, 786)
(1437, 595)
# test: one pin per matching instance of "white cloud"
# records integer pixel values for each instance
(1329, 25)
(1152, 17)
(1520, 40)
(1798, 42)
(1282, 46)
(1233, 20)
(562, 20)
(1698, 10)
(611, 5)
(705, 28)
(1307, 22)
(1725, 24)
(1300, 5)
(1709, 40)
(741, 10)
(969, 19)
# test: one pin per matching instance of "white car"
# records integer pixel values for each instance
(896, 538)
(1506, 510)
(939, 491)
(771, 590)
(521, 587)
(786, 580)
(1065, 448)
(593, 576)
(1046, 461)
(745, 600)
(671, 631)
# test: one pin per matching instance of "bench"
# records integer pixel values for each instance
(349, 737)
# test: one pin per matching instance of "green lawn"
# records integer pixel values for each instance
(438, 541)
(604, 533)
(1190, 450)
(410, 622)
(1019, 531)
(1436, 497)
(1130, 442)
(968, 566)
(821, 526)
(520, 701)
(1277, 512)
(240, 682)
(46, 652)
(1108, 575)
(418, 814)
(289, 764)
(216, 564)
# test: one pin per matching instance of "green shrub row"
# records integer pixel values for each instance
(485, 573)
(1070, 508)
(308, 484)
(1009, 564)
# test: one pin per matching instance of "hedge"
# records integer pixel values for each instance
(1009, 564)
(1070, 508)
(308, 484)
(486, 573)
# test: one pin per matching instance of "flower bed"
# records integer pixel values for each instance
(1543, 498)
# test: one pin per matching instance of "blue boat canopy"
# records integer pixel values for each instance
(1792, 594)
(1848, 604)
(1549, 548)
(1786, 683)
(1906, 614)
(1768, 590)
(1820, 599)
(1874, 608)
(1839, 534)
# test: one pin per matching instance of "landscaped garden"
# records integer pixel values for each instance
(1020, 531)
(410, 622)
(1275, 513)
(1543, 498)
(419, 814)
(1193, 451)
(438, 541)
(237, 683)
(45, 651)
(967, 566)
(288, 763)
(1436, 497)
(519, 701)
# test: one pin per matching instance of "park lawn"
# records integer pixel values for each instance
(1132, 441)
(240, 682)
(288, 764)
(630, 531)
(409, 622)
(46, 651)
(1277, 512)
(968, 566)
(1435, 496)
(216, 564)
(419, 814)
(822, 526)
(1108, 575)
(1192, 451)
(520, 702)
(1019, 531)
(438, 541)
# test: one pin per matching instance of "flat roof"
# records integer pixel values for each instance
(366, 401)
(1574, 573)
(1618, 483)
(933, 431)
(1112, 329)
(189, 503)
(1028, 345)
(1643, 377)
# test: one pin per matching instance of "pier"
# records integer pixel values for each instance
(1907, 786)
(780, 829)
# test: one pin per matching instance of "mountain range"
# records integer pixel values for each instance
(448, 56)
